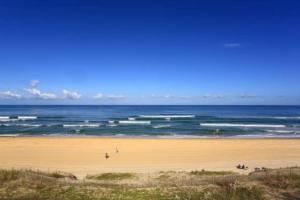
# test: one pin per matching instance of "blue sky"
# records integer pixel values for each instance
(149, 52)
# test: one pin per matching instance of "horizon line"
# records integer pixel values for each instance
(149, 105)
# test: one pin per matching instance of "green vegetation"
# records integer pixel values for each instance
(163, 177)
(211, 173)
(280, 179)
(195, 185)
(111, 176)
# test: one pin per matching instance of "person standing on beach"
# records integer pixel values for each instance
(106, 155)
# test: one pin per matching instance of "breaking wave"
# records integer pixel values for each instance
(242, 125)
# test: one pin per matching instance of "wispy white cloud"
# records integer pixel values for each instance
(10, 95)
(109, 96)
(169, 96)
(99, 96)
(232, 45)
(39, 94)
(212, 96)
(34, 83)
(166, 96)
(248, 96)
(70, 95)
(115, 96)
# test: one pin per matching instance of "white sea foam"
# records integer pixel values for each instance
(280, 131)
(286, 117)
(5, 124)
(120, 135)
(8, 120)
(27, 117)
(9, 135)
(81, 125)
(23, 125)
(176, 136)
(13, 120)
(111, 122)
(265, 136)
(28, 125)
(162, 126)
(134, 122)
(112, 125)
(166, 116)
(131, 118)
(242, 125)
(4, 118)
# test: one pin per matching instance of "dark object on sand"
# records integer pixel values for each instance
(106, 156)
(117, 150)
(239, 166)
(264, 168)
(257, 169)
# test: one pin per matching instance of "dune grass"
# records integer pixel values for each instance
(111, 176)
(196, 185)
(210, 173)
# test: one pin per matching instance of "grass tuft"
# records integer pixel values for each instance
(111, 176)
(211, 173)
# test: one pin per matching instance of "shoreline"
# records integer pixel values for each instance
(179, 137)
(85, 155)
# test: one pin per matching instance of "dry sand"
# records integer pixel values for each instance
(83, 156)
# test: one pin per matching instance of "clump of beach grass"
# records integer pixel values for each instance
(111, 176)
(9, 175)
(211, 173)
(279, 178)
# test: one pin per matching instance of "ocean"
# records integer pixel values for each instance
(151, 121)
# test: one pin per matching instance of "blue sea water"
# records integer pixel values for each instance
(151, 121)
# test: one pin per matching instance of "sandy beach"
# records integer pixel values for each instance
(82, 156)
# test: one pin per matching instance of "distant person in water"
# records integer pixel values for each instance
(106, 156)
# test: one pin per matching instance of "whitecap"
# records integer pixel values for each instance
(28, 125)
(242, 125)
(27, 117)
(162, 126)
(4, 118)
(166, 116)
(280, 131)
(81, 125)
(125, 122)
(112, 125)
(23, 125)
(5, 124)
(290, 117)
